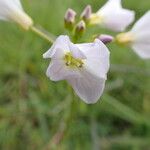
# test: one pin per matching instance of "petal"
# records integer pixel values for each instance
(111, 5)
(61, 43)
(88, 87)
(141, 31)
(142, 37)
(97, 61)
(76, 52)
(142, 24)
(143, 50)
(17, 3)
(7, 7)
(57, 70)
(13, 11)
(115, 17)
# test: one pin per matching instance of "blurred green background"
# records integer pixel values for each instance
(35, 113)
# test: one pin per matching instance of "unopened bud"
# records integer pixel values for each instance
(69, 18)
(86, 13)
(80, 28)
(105, 38)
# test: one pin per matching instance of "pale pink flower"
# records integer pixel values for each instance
(84, 66)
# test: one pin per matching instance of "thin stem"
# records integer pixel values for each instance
(42, 34)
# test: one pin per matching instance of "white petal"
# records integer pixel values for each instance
(115, 17)
(143, 50)
(61, 43)
(7, 7)
(88, 87)
(57, 70)
(17, 3)
(76, 52)
(110, 5)
(97, 61)
(11, 10)
(10, 3)
(141, 32)
(142, 24)
(142, 37)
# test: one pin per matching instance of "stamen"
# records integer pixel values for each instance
(73, 62)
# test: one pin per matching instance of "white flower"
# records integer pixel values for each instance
(139, 37)
(11, 10)
(112, 16)
(84, 66)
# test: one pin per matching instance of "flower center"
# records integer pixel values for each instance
(73, 62)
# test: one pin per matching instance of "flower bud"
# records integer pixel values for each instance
(105, 38)
(80, 27)
(69, 18)
(86, 13)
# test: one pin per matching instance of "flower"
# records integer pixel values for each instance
(112, 16)
(11, 10)
(84, 66)
(138, 38)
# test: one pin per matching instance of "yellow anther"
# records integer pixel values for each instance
(73, 62)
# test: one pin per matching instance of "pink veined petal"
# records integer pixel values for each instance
(61, 43)
(97, 61)
(89, 88)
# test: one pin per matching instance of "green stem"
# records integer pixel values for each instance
(42, 33)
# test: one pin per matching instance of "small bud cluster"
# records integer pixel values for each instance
(78, 27)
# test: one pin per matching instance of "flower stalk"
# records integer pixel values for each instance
(40, 32)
